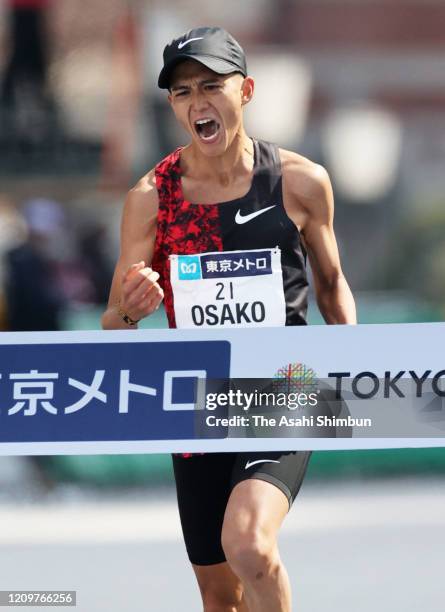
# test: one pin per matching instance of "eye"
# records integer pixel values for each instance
(181, 93)
(212, 86)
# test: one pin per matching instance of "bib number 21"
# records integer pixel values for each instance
(224, 292)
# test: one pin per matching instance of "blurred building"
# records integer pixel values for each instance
(387, 55)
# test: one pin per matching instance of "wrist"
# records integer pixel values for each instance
(126, 317)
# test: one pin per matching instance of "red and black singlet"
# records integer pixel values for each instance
(186, 228)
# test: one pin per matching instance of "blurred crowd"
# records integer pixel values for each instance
(51, 260)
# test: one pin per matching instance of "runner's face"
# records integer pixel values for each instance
(209, 105)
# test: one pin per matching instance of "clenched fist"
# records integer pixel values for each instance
(141, 294)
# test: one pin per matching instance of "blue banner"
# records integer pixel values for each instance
(106, 391)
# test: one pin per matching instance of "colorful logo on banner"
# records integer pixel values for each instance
(295, 378)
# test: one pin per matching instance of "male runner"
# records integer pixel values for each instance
(228, 192)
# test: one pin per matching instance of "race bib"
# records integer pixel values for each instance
(230, 289)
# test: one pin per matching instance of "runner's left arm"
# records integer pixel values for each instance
(313, 202)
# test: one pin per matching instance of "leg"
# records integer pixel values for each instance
(264, 486)
(254, 514)
(203, 485)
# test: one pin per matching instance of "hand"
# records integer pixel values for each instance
(141, 294)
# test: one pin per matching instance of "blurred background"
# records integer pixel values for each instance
(357, 85)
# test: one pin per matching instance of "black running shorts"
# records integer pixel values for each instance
(204, 484)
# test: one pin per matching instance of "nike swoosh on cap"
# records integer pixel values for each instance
(186, 42)
(240, 219)
(250, 463)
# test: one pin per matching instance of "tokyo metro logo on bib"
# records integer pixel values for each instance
(189, 267)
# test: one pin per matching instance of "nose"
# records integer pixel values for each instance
(199, 101)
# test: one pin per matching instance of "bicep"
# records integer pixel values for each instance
(318, 232)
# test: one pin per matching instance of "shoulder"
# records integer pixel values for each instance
(146, 186)
(143, 197)
(307, 182)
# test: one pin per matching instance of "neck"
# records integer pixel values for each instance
(237, 159)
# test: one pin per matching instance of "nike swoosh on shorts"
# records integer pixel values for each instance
(250, 463)
(240, 219)
(186, 42)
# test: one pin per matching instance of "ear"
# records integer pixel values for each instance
(247, 89)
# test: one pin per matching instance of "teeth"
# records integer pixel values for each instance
(203, 121)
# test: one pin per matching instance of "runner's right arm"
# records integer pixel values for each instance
(134, 288)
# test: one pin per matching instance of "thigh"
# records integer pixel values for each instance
(283, 469)
(203, 485)
(264, 487)
(254, 514)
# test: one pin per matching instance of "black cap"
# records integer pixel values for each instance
(213, 47)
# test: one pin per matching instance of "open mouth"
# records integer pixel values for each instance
(207, 129)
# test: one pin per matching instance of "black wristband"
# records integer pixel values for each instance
(128, 320)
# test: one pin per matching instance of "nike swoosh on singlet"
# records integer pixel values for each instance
(250, 463)
(186, 42)
(240, 219)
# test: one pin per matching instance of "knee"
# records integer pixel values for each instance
(252, 554)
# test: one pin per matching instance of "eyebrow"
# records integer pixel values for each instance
(215, 79)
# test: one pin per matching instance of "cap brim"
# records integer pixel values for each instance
(216, 64)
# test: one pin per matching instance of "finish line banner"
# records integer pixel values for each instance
(160, 391)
